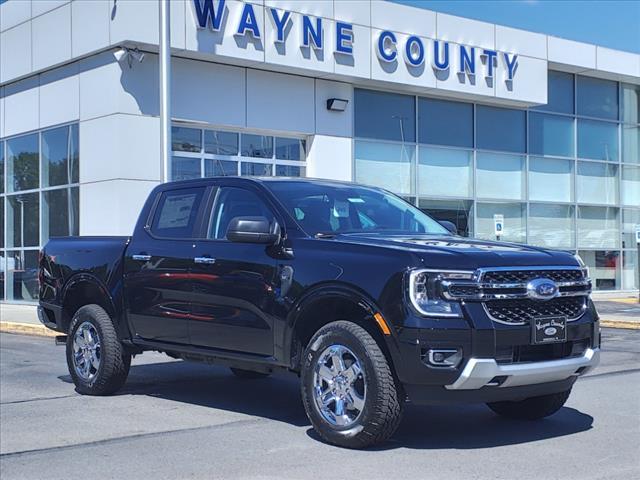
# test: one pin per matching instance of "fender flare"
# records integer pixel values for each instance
(87, 278)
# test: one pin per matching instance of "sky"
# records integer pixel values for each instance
(609, 23)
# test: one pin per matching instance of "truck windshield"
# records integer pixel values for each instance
(335, 209)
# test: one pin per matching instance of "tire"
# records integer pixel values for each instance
(102, 367)
(533, 408)
(248, 374)
(371, 402)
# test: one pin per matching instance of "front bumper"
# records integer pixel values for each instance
(481, 372)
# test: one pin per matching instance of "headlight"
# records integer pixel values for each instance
(424, 292)
(585, 268)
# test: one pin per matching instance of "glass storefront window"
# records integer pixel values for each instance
(630, 221)
(22, 275)
(604, 268)
(630, 188)
(630, 103)
(598, 227)
(290, 149)
(184, 168)
(251, 169)
(186, 139)
(23, 226)
(501, 129)
(458, 212)
(630, 269)
(220, 168)
(630, 144)
(597, 98)
(515, 223)
(23, 170)
(57, 161)
(60, 213)
(3, 273)
(1, 167)
(257, 146)
(1, 222)
(385, 165)
(559, 93)
(598, 140)
(597, 183)
(550, 179)
(551, 226)
(500, 176)
(384, 116)
(445, 172)
(442, 122)
(290, 171)
(551, 135)
(220, 143)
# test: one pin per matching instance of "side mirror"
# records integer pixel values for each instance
(449, 226)
(253, 230)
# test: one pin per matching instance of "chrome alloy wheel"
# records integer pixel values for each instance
(86, 351)
(339, 386)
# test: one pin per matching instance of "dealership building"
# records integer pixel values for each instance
(472, 122)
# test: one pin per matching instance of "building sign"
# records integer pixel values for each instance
(498, 224)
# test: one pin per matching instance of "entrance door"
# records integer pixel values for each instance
(233, 283)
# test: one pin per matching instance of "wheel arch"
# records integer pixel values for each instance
(85, 289)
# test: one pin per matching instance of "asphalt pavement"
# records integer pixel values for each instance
(181, 420)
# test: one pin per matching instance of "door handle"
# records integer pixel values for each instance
(205, 260)
(141, 257)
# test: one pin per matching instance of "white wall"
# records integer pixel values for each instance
(330, 157)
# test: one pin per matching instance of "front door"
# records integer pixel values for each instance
(233, 283)
(158, 264)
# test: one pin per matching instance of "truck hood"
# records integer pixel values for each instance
(439, 251)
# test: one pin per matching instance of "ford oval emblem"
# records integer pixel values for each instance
(542, 289)
(549, 331)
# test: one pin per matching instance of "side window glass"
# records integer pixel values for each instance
(234, 202)
(176, 213)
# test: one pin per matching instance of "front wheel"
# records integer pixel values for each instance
(97, 361)
(533, 408)
(348, 389)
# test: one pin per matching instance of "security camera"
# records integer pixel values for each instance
(128, 54)
(121, 54)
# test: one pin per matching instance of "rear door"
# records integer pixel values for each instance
(158, 263)
(234, 283)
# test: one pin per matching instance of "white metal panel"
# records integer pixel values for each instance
(14, 13)
(51, 35)
(317, 8)
(135, 20)
(280, 102)
(573, 54)
(125, 199)
(616, 61)
(177, 12)
(330, 158)
(208, 92)
(330, 122)
(401, 18)
(359, 64)
(353, 11)
(15, 52)
(120, 146)
(529, 84)
(465, 31)
(521, 42)
(90, 26)
(59, 96)
(453, 80)
(1, 112)
(21, 106)
(38, 7)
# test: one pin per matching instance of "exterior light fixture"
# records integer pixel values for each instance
(128, 55)
(337, 104)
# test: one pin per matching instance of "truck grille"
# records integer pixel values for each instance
(520, 312)
(524, 276)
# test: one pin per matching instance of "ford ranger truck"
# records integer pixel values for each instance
(370, 301)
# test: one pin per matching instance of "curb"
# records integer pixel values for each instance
(27, 329)
(628, 324)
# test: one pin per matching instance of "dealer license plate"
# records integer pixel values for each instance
(549, 329)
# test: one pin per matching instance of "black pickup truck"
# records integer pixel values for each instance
(372, 302)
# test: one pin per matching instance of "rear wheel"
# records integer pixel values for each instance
(248, 374)
(348, 389)
(533, 408)
(97, 361)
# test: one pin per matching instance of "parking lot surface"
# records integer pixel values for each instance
(181, 420)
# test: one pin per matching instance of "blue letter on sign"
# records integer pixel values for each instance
(511, 65)
(414, 57)
(444, 64)
(383, 54)
(314, 33)
(467, 60)
(281, 23)
(491, 55)
(344, 38)
(205, 13)
(248, 22)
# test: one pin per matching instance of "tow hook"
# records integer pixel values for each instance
(61, 339)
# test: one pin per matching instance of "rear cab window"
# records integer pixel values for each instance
(176, 213)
